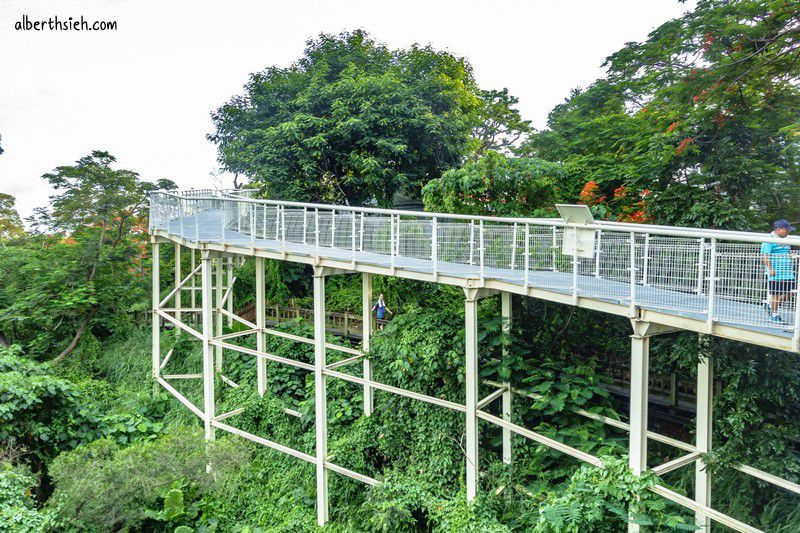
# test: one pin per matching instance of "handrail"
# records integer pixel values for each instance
(652, 229)
(717, 274)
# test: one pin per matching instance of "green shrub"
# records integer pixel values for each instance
(17, 510)
(601, 498)
(44, 414)
(102, 487)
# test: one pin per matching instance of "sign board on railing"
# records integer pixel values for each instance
(577, 238)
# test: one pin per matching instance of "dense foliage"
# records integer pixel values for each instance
(85, 268)
(704, 114)
(496, 185)
(354, 121)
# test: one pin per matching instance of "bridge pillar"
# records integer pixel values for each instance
(156, 319)
(206, 299)
(506, 312)
(471, 348)
(320, 396)
(640, 364)
(637, 449)
(218, 310)
(193, 282)
(366, 320)
(472, 296)
(705, 388)
(261, 336)
(229, 286)
(178, 281)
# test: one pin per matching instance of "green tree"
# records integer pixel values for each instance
(499, 126)
(87, 260)
(703, 113)
(496, 185)
(352, 121)
(10, 223)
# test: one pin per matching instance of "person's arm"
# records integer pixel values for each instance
(769, 265)
(766, 248)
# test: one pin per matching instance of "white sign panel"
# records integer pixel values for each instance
(577, 238)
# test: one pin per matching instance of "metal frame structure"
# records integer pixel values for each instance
(244, 228)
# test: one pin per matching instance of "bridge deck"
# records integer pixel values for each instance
(686, 305)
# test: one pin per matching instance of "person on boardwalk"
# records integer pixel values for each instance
(780, 274)
(381, 310)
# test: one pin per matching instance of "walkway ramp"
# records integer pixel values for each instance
(694, 279)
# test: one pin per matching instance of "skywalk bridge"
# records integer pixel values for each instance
(664, 279)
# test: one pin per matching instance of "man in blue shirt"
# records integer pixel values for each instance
(780, 273)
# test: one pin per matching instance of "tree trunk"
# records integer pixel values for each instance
(78, 334)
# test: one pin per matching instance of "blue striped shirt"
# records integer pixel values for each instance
(779, 259)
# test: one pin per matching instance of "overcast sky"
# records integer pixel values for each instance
(144, 92)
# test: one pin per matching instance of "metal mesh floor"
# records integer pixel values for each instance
(206, 227)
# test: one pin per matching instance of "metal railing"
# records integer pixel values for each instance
(712, 275)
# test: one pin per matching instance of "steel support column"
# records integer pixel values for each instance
(507, 314)
(320, 397)
(230, 297)
(471, 349)
(193, 284)
(178, 280)
(218, 311)
(705, 388)
(366, 320)
(637, 450)
(206, 284)
(261, 336)
(640, 369)
(156, 319)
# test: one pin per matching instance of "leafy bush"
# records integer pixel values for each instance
(44, 414)
(103, 487)
(601, 499)
(17, 510)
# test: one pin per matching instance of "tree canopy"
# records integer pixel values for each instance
(704, 114)
(10, 223)
(497, 185)
(353, 121)
(88, 258)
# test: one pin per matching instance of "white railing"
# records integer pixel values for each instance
(713, 275)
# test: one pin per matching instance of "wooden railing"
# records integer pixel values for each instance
(666, 390)
(344, 324)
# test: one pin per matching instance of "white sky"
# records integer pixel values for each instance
(145, 92)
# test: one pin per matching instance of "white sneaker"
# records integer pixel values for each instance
(776, 318)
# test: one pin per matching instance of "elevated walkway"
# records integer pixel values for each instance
(705, 281)
(664, 279)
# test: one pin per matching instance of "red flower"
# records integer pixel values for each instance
(589, 194)
(709, 40)
(684, 143)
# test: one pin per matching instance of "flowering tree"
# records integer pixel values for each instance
(87, 260)
(703, 114)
